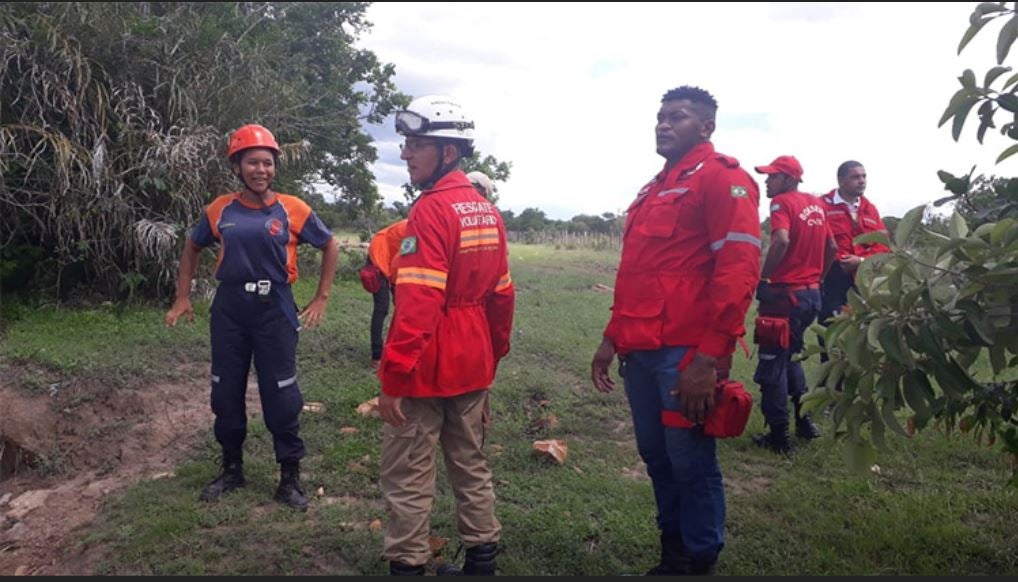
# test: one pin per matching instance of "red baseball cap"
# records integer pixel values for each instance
(783, 165)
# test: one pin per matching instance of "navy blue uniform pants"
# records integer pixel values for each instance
(834, 296)
(835, 293)
(777, 374)
(378, 314)
(246, 325)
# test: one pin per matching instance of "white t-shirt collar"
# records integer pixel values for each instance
(839, 200)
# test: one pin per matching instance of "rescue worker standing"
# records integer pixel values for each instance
(849, 214)
(382, 254)
(451, 327)
(801, 250)
(690, 262)
(253, 312)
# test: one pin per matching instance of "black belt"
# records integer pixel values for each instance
(809, 287)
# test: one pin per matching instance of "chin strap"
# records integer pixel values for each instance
(437, 175)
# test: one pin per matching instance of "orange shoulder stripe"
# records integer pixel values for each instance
(214, 212)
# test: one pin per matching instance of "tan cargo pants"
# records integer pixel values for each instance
(408, 475)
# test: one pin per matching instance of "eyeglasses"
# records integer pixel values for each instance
(415, 146)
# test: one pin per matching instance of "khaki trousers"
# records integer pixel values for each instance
(408, 475)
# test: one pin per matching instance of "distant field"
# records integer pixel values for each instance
(935, 505)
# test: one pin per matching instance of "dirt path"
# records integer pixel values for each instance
(95, 442)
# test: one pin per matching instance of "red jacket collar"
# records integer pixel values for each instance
(454, 179)
(689, 162)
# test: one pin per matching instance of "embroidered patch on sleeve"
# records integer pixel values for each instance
(739, 192)
(408, 246)
(775, 207)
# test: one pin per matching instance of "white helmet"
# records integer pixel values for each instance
(483, 183)
(435, 116)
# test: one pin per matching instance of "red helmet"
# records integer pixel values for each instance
(251, 136)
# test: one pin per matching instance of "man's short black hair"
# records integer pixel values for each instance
(694, 95)
(847, 167)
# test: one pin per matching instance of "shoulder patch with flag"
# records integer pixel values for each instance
(739, 192)
(775, 207)
(408, 246)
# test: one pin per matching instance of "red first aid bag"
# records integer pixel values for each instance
(772, 332)
(729, 417)
(371, 278)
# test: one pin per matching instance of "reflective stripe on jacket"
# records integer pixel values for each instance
(455, 296)
(690, 258)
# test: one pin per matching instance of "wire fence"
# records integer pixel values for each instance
(566, 239)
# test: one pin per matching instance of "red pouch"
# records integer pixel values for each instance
(772, 332)
(731, 414)
(371, 278)
(729, 417)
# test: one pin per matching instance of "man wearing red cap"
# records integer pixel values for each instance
(801, 250)
(850, 214)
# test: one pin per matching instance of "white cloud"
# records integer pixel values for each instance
(568, 93)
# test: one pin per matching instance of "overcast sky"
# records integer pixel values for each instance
(569, 93)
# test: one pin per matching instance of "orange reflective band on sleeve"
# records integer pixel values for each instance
(478, 237)
(421, 276)
(504, 283)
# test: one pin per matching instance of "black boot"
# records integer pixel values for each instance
(480, 561)
(289, 491)
(230, 479)
(401, 569)
(697, 568)
(804, 427)
(776, 440)
(674, 560)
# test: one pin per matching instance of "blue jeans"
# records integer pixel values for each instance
(682, 463)
(777, 374)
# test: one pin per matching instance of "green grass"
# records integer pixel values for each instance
(939, 504)
(110, 344)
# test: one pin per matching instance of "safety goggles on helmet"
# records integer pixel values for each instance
(410, 123)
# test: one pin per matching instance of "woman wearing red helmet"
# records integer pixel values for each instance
(253, 313)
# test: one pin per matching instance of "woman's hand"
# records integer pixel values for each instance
(314, 312)
(181, 306)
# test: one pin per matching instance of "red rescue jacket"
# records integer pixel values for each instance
(690, 258)
(845, 229)
(455, 297)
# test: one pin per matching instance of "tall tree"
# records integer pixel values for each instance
(531, 219)
(115, 118)
(926, 319)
